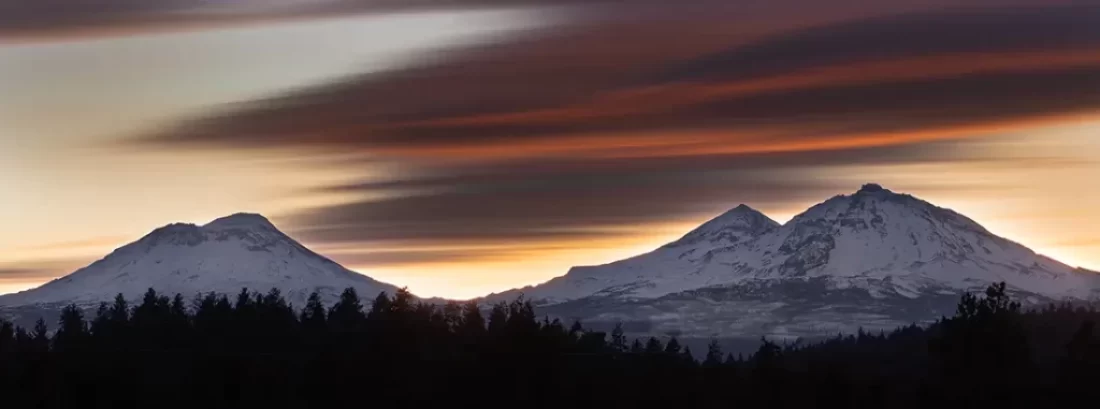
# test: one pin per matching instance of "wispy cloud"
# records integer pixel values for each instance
(649, 117)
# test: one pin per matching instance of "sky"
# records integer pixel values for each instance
(464, 147)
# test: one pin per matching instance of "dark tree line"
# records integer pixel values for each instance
(255, 350)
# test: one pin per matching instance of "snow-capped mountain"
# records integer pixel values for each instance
(869, 258)
(223, 256)
(661, 271)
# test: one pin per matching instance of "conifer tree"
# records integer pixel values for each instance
(452, 315)
(380, 307)
(101, 323)
(768, 354)
(522, 321)
(313, 314)
(152, 314)
(120, 312)
(714, 354)
(274, 299)
(654, 346)
(593, 342)
(7, 335)
(244, 301)
(402, 305)
(219, 356)
(687, 356)
(498, 319)
(985, 348)
(22, 338)
(731, 360)
(178, 309)
(41, 331)
(673, 346)
(576, 329)
(347, 314)
(72, 331)
(618, 339)
(472, 324)
(40, 338)
(148, 301)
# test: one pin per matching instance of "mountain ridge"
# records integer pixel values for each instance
(885, 251)
(737, 224)
(873, 258)
(243, 250)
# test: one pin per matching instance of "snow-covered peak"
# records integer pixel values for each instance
(874, 240)
(241, 220)
(250, 228)
(735, 225)
(238, 251)
(871, 188)
(873, 204)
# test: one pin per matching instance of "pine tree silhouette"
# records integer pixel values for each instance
(672, 347)
(313, 316)
(41, 336)
(72, 330)
(347, 314)
(472, 325)
(120, 312)
(654, 346)
(687, 356)
(730, 360)
(498, 319)
(258, 350)
(714, 355)
(618, 339)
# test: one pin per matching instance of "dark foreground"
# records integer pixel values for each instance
(257, 351)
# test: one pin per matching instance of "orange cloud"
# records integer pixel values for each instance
(716, 142)
(664, 97)
(569, 136)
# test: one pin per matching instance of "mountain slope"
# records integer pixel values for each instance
(667, 269)
(872, 258)
(230, 253)
(886, 242)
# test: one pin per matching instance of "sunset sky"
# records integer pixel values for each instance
(468, 146)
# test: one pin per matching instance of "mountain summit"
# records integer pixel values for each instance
(870, 257)
(736, 225)
(241, 220)
(233, 252)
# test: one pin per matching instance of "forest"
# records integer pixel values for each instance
(255, 350)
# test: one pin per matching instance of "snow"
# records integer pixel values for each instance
(736, 225)
(885, 243)
(223, 256)
(241, 220)
(662, 271)
(884, 255)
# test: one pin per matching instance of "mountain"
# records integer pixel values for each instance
(661, 271)
(872, 259)
(223, 256)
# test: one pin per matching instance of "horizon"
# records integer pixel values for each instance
(462, 148)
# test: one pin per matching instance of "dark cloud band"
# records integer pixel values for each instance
(577, 133)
